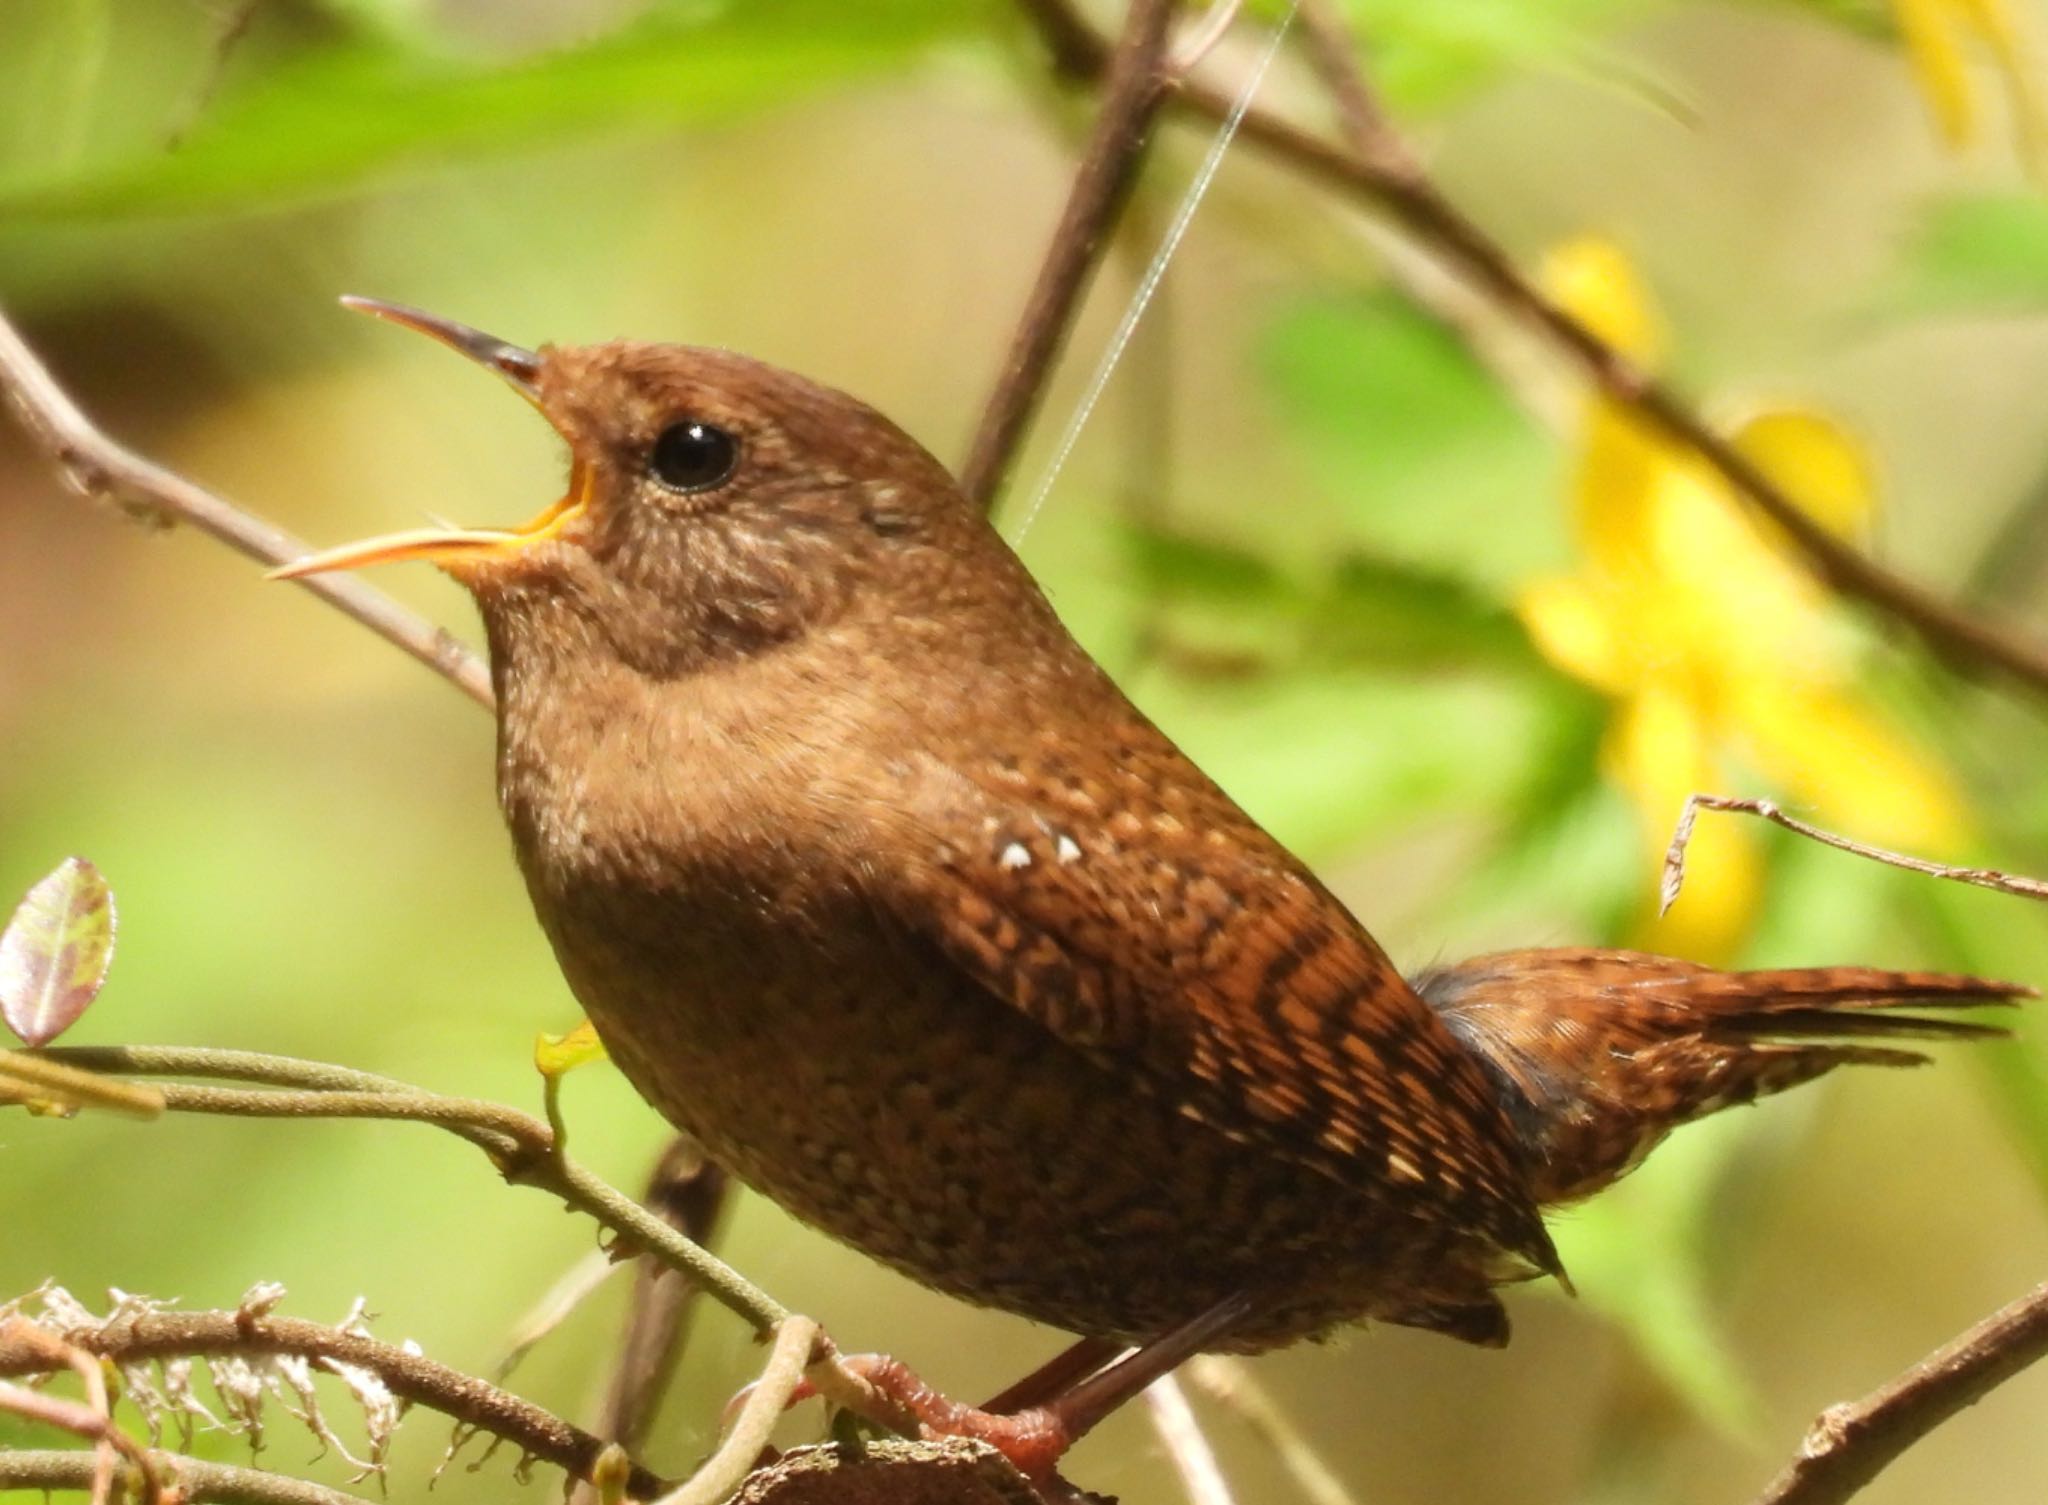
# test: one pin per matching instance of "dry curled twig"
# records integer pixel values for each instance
(1681, 838)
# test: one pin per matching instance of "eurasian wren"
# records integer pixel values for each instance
(875, 883)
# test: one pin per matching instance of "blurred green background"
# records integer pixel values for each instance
(1310, 530)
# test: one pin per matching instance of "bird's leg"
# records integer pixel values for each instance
(1035, 1437)
(1063, 1371)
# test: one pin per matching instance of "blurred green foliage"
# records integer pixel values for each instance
(1317, 596)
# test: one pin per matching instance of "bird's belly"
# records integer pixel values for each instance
(875, 1095)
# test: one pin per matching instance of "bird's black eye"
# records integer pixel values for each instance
(693, 456)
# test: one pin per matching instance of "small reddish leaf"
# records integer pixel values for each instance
(55, 951)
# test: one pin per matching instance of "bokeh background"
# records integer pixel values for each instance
(1460, 636)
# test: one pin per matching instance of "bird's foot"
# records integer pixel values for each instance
(1034, 1422)
(889, 1393)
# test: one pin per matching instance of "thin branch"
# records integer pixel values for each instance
(1135, 84)
(521, 1145)
(99, 469)
(1185, 1443)
(1206, 37)
(1232, 1386)
(1681, 838)
(412, 1377)
(25, 1078)
(1851, 1444)
(767, 1398)
(197, 1482)
(93, 1420)
(1395, 184)
(691, 1194)
(1333, 52)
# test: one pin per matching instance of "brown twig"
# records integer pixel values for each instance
(767, 1398)
(1135, 84)
(412, 1377)
(1394, 182)
(197, 1482)
(1850, 1444)
(1681, 838)
(1362, 120)
(691, 1194)
(96, 467)
(92, 1419)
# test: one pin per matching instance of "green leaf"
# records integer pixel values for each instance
(1378, 611)
(1166, 560)
(1991, 935)
(1987, 251)
(320, 124)
(55, 952)
(1425, 51)
(1638, 1254)
(1416, 441)
(1868, 18)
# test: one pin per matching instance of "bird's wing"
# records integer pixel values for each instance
(1141, 917)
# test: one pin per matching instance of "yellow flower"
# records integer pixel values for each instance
(1937, 34)
(1715, 647)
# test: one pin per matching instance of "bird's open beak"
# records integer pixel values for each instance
(446, 546)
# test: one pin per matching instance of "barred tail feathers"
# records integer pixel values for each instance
(1600, 1054)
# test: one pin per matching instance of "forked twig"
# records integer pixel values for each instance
(1681, 837)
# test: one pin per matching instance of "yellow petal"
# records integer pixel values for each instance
(1592, 278)
(2017, 65)
(1725, 604)
(1857, 774)
(1816, 462)
(1621, 464)
(1572, 626)
(1660, 751)
(1929, 28)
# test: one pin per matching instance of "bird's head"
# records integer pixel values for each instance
(715, 507)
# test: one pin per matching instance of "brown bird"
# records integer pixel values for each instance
(876, 884)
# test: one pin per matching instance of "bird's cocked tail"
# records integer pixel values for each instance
(1599, 1054)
